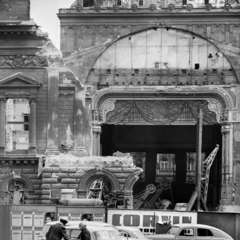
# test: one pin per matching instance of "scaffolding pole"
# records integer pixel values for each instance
(199, 158)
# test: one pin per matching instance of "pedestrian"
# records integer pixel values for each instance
(58, 231)
(85, 234)
(48, 219)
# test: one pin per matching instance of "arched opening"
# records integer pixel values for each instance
(166, 151)
(149, 104)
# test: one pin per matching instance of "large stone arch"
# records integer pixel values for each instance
(23, 178)
(93, 174)
(210, 51)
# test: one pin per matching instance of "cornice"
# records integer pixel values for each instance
(157, 15)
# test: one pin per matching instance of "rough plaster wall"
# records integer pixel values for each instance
(15, 10)
(65, 130)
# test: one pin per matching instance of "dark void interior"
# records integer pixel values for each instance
(177, 140)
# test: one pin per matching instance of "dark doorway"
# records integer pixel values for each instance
(153, 144)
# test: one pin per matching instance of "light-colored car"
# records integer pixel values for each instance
(193, 232)
(97, 233)
(75, 224)
(131, 232)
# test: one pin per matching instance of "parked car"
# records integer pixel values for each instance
(193, 232)
(131, 232)
(97, 232)
(75, 224)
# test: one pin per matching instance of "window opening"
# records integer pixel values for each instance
(204, 232)
(186, 232)
(140, 2)
(88, 3)
(17, 121)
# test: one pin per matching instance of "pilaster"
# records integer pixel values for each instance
(52, 118)
(227, 190)
(79, 121)
(32, 128)
(2, 127)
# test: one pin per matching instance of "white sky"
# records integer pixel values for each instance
(44, 13)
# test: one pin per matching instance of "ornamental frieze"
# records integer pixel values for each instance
(21, 61)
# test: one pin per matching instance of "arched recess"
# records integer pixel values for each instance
(95, 173)
(9, 178)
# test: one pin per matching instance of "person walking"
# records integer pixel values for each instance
(85, 234)
(58, 231)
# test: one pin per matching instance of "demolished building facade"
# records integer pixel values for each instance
(127, 79)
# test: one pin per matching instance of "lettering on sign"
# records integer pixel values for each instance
(16, 220)
(16, 235)
(27, 235)
(146, 220)
(27, 220)
(38, 220)
(37, 235)
(99, 217)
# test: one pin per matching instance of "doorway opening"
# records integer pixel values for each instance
(167, 152)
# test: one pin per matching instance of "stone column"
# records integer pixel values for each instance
(2, 127)
(96, 139)
(236, 166)
(52, 113)
(227, 166)
(97, 121)
(32, 128)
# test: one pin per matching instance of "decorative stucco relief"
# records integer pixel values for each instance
(20, 61)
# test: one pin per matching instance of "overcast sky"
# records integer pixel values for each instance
(44, 13)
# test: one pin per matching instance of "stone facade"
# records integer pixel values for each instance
(114, 50)
(125, 67)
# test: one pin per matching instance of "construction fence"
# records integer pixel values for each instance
(25, 222)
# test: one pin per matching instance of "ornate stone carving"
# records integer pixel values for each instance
(214, 106)
(107, 107)
(20, 61)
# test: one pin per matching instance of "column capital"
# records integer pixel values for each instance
(226, 128)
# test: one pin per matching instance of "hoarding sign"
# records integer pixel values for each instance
(146, 220)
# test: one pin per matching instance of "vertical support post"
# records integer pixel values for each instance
(32, 127)
(2, 126)
(199, 158)
(96, 140)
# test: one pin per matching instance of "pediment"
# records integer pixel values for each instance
(19, 80)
